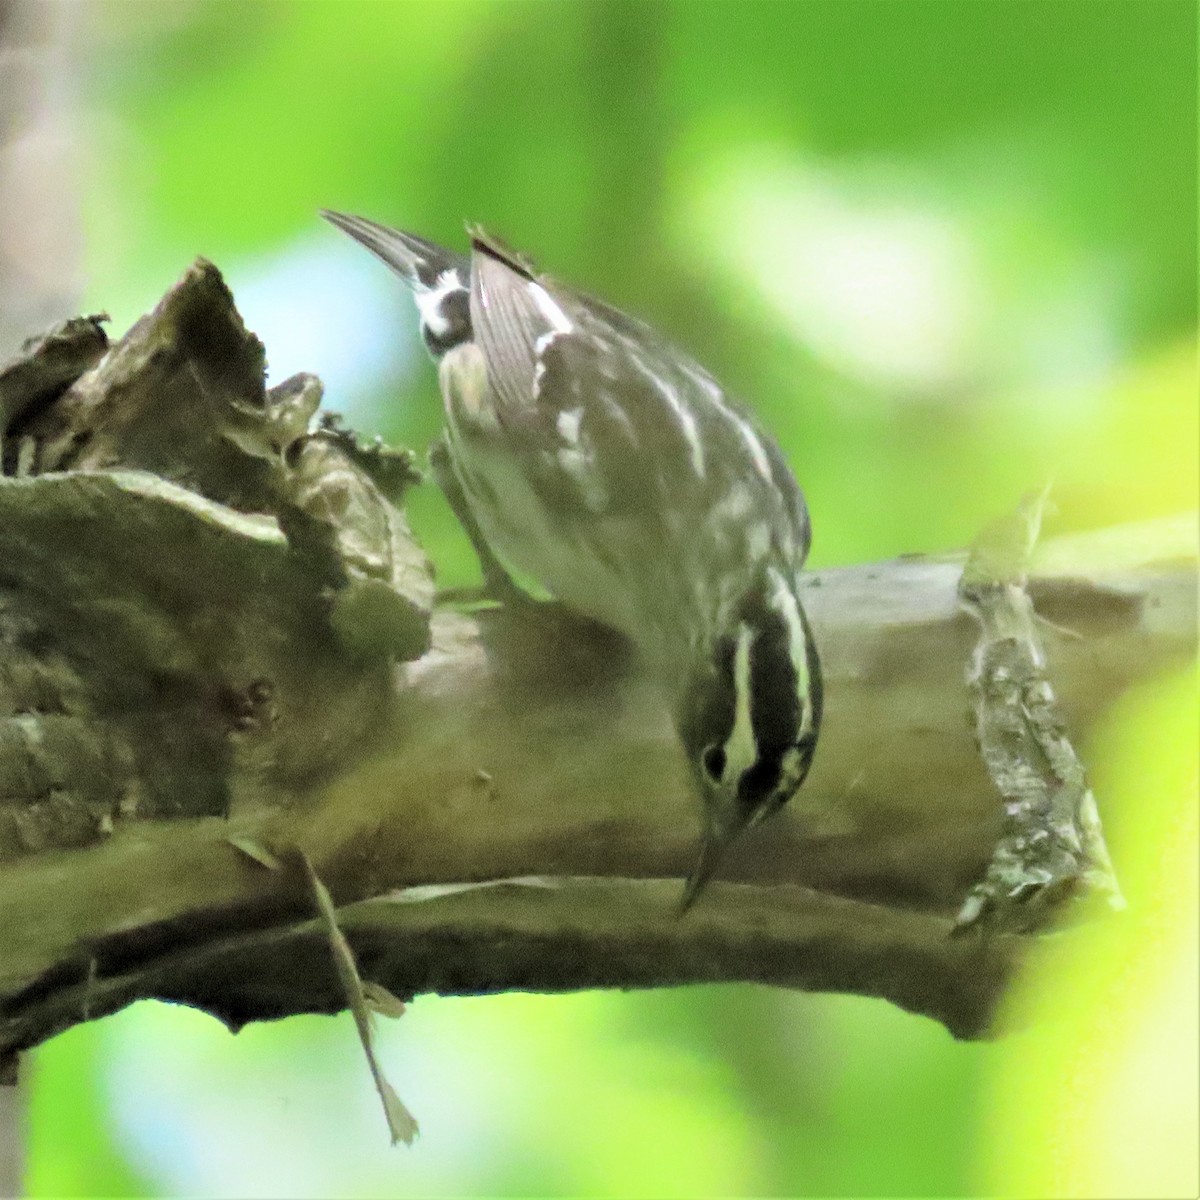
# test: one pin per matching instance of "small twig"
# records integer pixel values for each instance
(401, 1123)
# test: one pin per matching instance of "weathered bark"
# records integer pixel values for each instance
(217, 654)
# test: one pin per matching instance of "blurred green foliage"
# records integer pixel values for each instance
(947, 248)
(1116, 1014)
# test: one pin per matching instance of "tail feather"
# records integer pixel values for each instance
(415, 260)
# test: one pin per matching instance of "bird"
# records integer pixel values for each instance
(584, 450)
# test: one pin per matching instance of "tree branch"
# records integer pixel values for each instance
(216, 652)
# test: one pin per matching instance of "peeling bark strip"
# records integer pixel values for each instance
(1053, 845)
(217, 655)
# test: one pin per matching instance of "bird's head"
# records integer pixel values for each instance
(750, 718)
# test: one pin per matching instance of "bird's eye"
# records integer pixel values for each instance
(714, 762)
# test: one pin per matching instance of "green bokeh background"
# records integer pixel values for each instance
(947, 248)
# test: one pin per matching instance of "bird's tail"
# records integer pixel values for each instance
(418, 262)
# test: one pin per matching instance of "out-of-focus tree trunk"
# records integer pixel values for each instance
(40, 231)
(40, 235)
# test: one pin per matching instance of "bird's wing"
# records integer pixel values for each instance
(507, 320)
(609, 412)
(581, 401)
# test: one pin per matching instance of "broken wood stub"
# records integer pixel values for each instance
(188, 571)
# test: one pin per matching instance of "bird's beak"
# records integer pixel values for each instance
(717, 839)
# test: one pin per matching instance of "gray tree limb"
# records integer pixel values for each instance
(218, 652)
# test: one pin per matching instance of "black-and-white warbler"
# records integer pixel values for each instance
(584, 450)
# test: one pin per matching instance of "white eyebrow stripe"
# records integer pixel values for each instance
(784, 602)
(741, 751)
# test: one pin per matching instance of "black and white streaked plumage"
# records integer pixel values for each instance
(606, 464)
